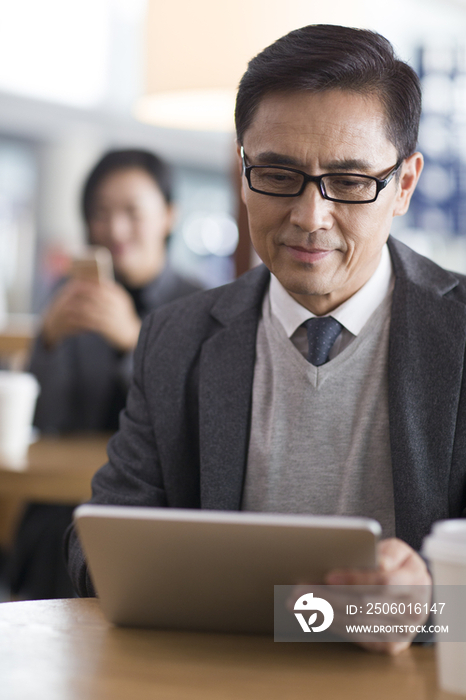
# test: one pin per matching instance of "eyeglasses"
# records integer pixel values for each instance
(347, 188)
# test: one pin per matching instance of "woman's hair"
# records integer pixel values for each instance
(113, 161)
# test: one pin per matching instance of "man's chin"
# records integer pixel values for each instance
(306, 285)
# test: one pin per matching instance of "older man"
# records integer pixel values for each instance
(330, 379)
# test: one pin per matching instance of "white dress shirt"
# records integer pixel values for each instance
(353, 314)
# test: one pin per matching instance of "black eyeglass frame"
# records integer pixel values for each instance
(380, 183)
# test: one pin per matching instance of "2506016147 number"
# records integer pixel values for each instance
(403, 608)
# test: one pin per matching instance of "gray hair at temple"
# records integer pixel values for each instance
(325, 57)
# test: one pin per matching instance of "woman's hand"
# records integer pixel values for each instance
(105, 308)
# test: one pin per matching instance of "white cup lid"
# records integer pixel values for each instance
(9, 379)
(447, 541)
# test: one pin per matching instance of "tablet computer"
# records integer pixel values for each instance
(211, 570)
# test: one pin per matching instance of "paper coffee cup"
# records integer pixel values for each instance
(18, 396)
(445, 548)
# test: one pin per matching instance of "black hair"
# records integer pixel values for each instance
(324, 57)
(113, 161)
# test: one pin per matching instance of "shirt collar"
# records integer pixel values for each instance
(352, 314)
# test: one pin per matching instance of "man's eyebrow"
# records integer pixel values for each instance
(350, 164)
(272, 158)
(337, 164)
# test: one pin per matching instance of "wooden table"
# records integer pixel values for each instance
(59, 470)
(65, 650)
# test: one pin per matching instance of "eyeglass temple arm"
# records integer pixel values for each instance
(243, 158)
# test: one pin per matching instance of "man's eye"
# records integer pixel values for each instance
(279, 177)
(350, 183)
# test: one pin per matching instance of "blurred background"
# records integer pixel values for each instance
(78, 78)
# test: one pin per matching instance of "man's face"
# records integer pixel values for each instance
(323, 252)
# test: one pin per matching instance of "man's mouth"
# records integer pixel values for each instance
(308, 254)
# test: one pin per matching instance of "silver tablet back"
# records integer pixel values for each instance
(211, 570)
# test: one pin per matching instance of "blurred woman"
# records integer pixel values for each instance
(83, 354)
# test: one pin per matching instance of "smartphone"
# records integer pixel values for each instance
(93, 265)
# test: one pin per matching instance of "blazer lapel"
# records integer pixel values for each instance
(225, 392)
(426, 355)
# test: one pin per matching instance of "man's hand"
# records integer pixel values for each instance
(398, 565)
(105, 308)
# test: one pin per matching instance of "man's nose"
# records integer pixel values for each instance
(310, 211)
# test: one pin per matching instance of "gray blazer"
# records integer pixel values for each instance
(183, 438)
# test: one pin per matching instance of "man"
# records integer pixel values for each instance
(235, 404)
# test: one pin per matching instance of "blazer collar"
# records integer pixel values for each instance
(247, 292)
(412, 267)
(244, 294)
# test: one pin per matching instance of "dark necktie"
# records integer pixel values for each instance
(321, 334)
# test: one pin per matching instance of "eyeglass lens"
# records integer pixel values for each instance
(351, 188)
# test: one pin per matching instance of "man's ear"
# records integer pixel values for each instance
(240, 165)
(409, 176)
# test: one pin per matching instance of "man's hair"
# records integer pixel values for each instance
(325, 57)
(113, 161)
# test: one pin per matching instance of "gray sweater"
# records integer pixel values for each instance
(320, 435)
